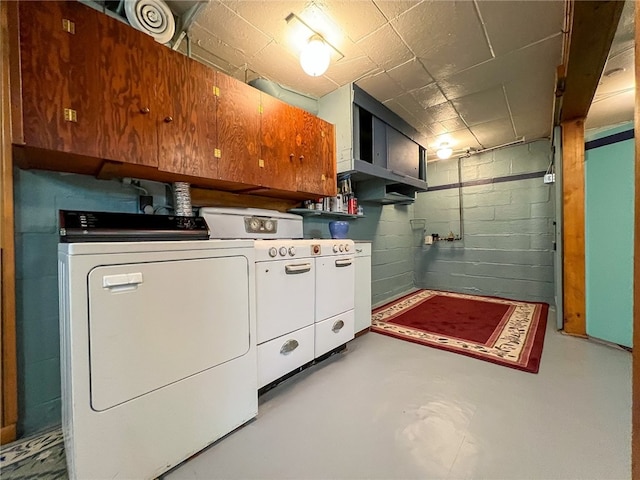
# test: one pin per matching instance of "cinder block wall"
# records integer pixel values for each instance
(506, 249)
(38, 196)
(508, 230)
(388, 228)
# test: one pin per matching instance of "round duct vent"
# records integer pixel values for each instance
(152, 17)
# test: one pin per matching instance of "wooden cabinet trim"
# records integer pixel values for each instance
(8, 367)
(11, 41)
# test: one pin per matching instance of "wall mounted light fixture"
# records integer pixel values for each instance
(315, 55)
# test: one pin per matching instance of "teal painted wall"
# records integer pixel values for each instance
(609, 220)
(388, 228)
(38, 196)
(507, 246)
(506, 250)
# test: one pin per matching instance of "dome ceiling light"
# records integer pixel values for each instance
(444, 151)
(316, 51)
(315, 56)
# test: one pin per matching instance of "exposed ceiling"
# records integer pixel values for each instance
(478, 73)
(615, 97)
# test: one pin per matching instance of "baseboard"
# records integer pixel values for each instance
(8, 434)
(394, 298)
(362, 332)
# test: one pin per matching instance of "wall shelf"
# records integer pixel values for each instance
(305, 212)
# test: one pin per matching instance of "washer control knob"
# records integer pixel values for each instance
(273, 252)
(315, 249)
(283, 251)
(347, 248)
(292, 251)
(341, 248)
(335, 249)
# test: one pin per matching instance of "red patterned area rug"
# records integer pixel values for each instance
(506, 332)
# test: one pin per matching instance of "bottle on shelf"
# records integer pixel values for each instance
(345, 200)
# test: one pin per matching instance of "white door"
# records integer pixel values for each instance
(153, 324)
(284, 296)
(335, 286)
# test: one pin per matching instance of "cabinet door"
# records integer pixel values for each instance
(316, 169)
(187, 132)
(59, 66)
(328, 135)
(238, 122)
(131, 82)
(281, 140)
(404, 154)
(379, 142)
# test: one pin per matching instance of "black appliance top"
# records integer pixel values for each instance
(83, 226)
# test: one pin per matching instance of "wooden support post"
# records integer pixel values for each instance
(593, 26)
(9, 393)
(635, 410)
(574, 299)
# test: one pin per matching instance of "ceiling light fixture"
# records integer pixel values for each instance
(315, 55)
(444, 151)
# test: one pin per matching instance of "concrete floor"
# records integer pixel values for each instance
(391, 409)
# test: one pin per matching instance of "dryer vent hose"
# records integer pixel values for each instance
(182, 199)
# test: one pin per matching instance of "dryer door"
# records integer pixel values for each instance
(153, 324)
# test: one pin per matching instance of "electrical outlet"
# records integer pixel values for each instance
(550, 178)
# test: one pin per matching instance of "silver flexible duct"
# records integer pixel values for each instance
(182, 199)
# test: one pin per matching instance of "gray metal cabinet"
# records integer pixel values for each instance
(403, 154)
(372, 141)
(380, 152)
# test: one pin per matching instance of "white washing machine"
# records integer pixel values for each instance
(158, 352)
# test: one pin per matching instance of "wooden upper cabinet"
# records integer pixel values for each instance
(316, 170)
(131, 86)
(238, 122)
(298, 149)
(90, 85)
(59, 69)
(187, 135)
(280, 151)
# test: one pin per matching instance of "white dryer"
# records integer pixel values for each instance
(158, 352)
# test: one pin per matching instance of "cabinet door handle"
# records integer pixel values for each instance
(288, 347)
(168, 119)
(344, 263)
(337, 326)
(144, 110)
(301, 157)
(291, 156)
(299, 268)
